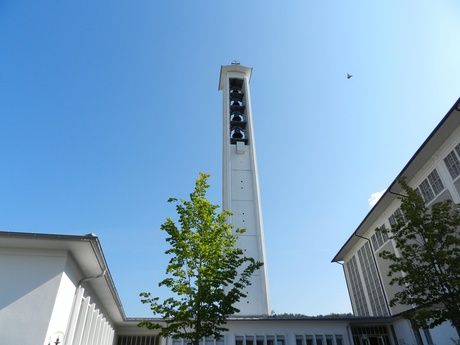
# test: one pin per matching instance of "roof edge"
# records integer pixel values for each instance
(455, 107)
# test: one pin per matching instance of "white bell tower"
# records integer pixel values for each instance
(240, 180)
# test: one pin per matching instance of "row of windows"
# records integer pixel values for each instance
(371, 279)
(370, 330)
(319, 339)
(138, 340)
(357, 287)
(379, 238)
(431, 186)
(260, 340)
(306, 339)
(397, 216)
(205, 341)
(370, 335)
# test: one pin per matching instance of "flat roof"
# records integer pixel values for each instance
(236, 67)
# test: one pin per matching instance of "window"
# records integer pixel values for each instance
(435, 182)
(374, 241)
(329, 339)
(319, 339)
(308, 340)
(137, 340)
(270, 340)
(280, 340)
(392, 220)
(298, 340)
(397, 216)
(371, 279)
(338, 339)
(431, 186)
(428, 337)
(356, 285)
(379, 238)
(452, 162)
(426, 191)
(263, 340)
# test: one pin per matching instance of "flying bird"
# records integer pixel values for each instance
(349, 75)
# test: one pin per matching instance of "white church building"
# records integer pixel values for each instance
(57, 289)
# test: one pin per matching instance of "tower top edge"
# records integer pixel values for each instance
(233, 68)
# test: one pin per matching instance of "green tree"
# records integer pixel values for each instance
(428, 267)
(207, 274)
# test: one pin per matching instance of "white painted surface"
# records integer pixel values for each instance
(37, 294)
(404, 333)
(287, 329)
(29, 284)
(241, 192)
(62, 307)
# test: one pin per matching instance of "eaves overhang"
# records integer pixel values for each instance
(86, 251)
(441, 132)
(233, 68)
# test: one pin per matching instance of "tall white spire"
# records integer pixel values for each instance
(240, 180)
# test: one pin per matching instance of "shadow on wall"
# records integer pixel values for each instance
(28, 289)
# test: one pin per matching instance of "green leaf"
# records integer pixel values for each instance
(206, 274)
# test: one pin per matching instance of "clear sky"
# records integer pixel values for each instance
(107, 108)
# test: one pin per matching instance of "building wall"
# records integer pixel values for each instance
(241, 192)
(30, 282)
(282, 332)
(436, 167)
(37, 294)
(64, 301)
(404, 333)
(450, 191)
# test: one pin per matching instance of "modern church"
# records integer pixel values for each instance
(57, 289)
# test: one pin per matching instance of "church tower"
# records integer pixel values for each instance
(240, 180)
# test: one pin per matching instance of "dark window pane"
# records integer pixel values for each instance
(298, 340)
(435, 182)
(338, 339)
(319, 339)
(426, 191)
(452, 164)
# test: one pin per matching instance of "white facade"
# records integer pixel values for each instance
(435, 172)
(42, 298)
(240, 180)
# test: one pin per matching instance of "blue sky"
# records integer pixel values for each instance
(107, 108)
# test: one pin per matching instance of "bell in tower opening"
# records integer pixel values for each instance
(238, 134)
(238, 118)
